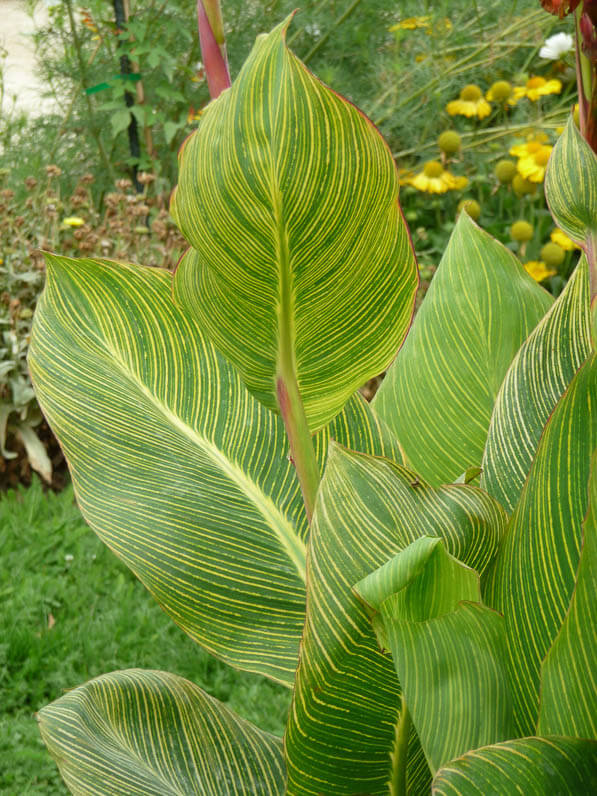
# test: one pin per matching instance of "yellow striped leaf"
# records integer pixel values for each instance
(529, 766)
(142, 732)
(569, 672)
(439, 393)
(301, 258)
(571, 186)
(535, 382)
(178, 469)
(344, 715)
(533, 579)
(448, 649)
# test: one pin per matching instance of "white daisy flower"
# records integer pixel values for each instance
(556, 46)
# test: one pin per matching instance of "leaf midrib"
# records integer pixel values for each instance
(282, 528)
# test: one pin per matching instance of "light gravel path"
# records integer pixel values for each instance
(20, 82)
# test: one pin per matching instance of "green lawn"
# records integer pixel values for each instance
(69, 611)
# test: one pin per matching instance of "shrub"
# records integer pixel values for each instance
(430, 628)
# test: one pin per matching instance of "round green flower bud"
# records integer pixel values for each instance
(523, 187)
(521, 231)
(500, 91)
(505, 171)
(552, 255)
(433, 168)
(449, 142)
(471, 93)
(472, 207)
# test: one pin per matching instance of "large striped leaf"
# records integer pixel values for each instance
(535, 570)
(147, 732)
(535, 382)
(438, 395)
(571, 186)
(529, 766)
(569, 672)
(178, 469)
(448, 649)
(343, 719)
(301, 259)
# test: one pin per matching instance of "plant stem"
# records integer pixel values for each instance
(83, 74)
(299, 438)
(400, 753)
(213, 46)
(328, 33)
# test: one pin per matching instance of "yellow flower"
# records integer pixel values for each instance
(499, 92)
(73, 221)
(470, 103)
(535, 87)
(532, 157)
(538, 270)
(559, 237)
(435, 179)
(411, 23)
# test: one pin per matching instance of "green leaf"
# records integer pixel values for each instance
(568, 674)
(343, 720)
(535, 570)
(176, 467)
(148, 732)
(571, 185)
(120, 121)
(535, 382)
(449, 654)
(301, 259)
(529, 766)
(438, 395)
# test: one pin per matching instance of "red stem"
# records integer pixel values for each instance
(213, 54)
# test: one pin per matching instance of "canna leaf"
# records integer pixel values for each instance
(439, 393)
(147, 732)
(568, 674)
(533, 578)
(448, 649)
(343, 720)
(301, 259)
(177, 468)
(535, 382)
(571, 185)
(529, 766)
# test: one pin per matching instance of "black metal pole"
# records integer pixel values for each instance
(125, 69)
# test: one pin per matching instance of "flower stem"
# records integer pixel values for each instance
(213, 46)
(399, 755)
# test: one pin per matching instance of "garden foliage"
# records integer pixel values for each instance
(436, 634)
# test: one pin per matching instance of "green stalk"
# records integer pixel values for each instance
(399, 755)
(328, 33)
(83, 74)
(302, 451)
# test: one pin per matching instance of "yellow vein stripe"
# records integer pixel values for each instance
(439, 393)
(148, 732)
(289, 198)
(176, 467)
(533, 579)
(536, 380)
(530, 766)
(568, 703)
(341, 726)
(571, 185)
